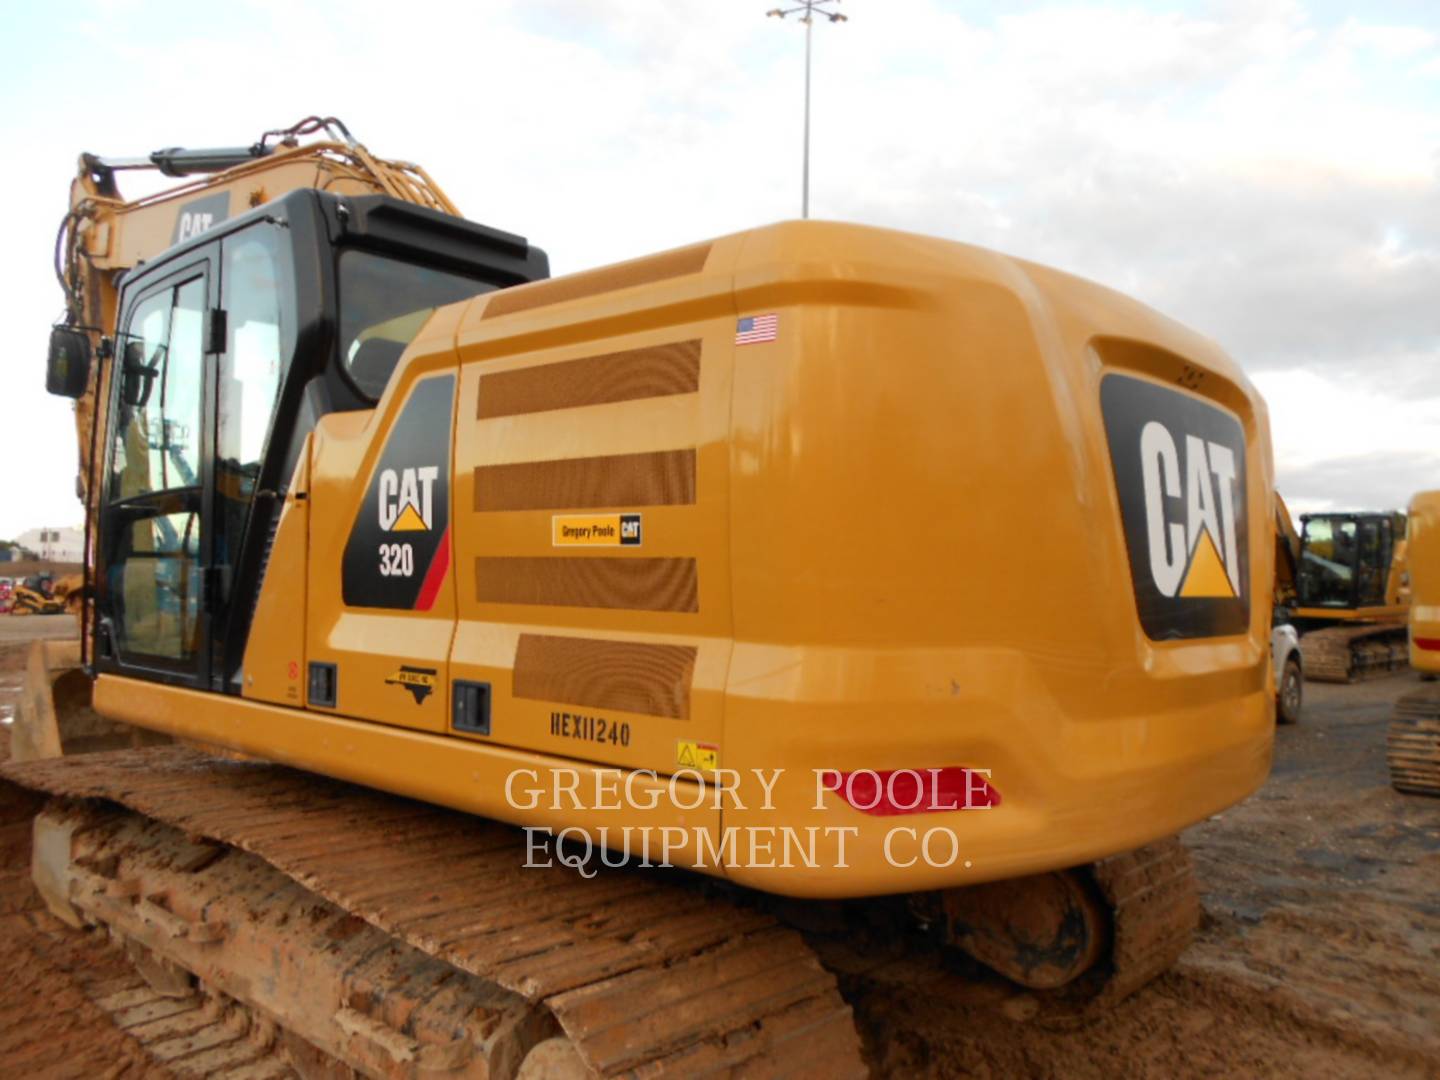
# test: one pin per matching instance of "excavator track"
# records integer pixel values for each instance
(74, 1005)
(1413, 746)
(443, 955)
(1154, 910)
(643, 973)
(1344, 654)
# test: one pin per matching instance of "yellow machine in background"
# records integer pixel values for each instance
(1287, 556)
(1344, 584)
(35, 595)
(1414, 744)
(374, 497)
(70, 591)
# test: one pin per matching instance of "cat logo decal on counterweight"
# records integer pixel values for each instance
(1185, 556)
(1180, 474)
(398, 553)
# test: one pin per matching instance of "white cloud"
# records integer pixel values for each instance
(1350, 444)
(1388, 41)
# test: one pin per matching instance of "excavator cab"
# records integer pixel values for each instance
(1346, 559)
(228, 349)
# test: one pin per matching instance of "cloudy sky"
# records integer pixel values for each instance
(1267, 171)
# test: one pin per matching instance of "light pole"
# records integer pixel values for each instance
(807, 10)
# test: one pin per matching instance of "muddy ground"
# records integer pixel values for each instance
(1319, 951)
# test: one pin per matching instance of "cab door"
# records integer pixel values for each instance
(154, 545)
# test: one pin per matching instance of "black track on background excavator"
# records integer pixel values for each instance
(1344, 654)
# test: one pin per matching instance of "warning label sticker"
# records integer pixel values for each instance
(690, 754)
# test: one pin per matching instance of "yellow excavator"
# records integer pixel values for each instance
(664, 588)
(1414, 741)
(1342, 577)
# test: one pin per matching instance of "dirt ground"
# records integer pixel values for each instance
(27, 628)
(15, 637)
(1318, 954)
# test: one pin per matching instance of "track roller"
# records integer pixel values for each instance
(1041, 931)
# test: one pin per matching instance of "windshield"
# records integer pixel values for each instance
(383, 304)
(1327, 562)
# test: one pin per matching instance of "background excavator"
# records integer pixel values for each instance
(1414, 740)
(370, 495)
(1342, 577)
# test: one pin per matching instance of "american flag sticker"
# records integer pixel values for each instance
(754, 329)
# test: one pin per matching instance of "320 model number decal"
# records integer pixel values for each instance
(397, 560)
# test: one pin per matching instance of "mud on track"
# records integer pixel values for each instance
(1319, 948)
(73, 1005)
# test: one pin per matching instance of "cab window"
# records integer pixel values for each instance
(383, 304)
(157, 439)
(1327, 571)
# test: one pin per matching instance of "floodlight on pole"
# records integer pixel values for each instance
(807, 10)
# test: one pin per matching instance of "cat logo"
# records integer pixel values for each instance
(199, 216)
(1188, 557)
(419, 681)
(191, 225)
(1179, 464)
(407, 499)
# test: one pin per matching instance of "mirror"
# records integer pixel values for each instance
(67, 368)
(137, 377)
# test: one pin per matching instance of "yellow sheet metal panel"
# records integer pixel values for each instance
(593, 573)
(274, 665)
(1423, 558)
